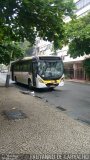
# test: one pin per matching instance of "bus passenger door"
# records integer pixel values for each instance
(34, 73)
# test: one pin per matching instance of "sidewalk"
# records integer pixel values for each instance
(78, 81)
(46, 130)
(3, 79)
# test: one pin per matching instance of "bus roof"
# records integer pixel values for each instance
(39, 57)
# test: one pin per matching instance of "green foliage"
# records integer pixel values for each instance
(86, 65)
(29, 18)
(9, 52)
(78, 33)
(79, 47)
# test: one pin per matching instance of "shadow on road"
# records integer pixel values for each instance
(39, 90)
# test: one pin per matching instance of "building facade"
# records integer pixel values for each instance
(74, 67)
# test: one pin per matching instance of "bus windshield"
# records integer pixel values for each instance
(50, 69)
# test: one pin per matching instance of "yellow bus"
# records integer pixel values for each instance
(38, 71)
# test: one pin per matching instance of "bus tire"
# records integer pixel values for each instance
(29, 84)
(16, 79)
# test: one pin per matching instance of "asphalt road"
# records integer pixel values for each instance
(73, 99)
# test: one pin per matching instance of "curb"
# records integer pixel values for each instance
(76, 81)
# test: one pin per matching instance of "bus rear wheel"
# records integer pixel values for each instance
(15, 79)
(29, 84)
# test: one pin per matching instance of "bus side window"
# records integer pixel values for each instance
(20, 67)
(16, 67)
(24, 67)
(29, 67)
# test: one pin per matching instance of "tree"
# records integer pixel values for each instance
(86, 64)
(28, 18)
(78, 33)
(9, 52)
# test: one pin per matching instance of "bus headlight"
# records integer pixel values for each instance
(62, 79)
(40, 80)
